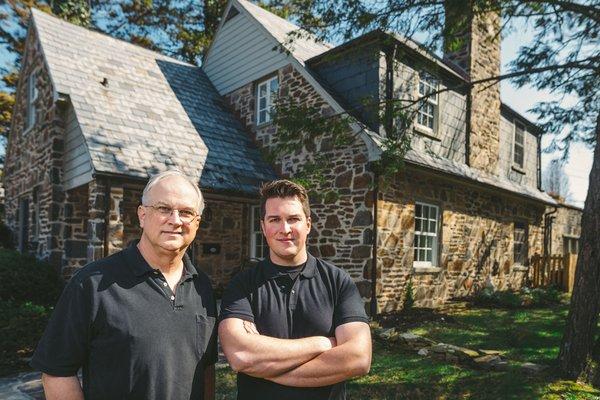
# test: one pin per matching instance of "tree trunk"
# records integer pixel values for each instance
(578, 340)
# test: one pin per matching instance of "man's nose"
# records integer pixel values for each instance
(175, 218)
(286, 227)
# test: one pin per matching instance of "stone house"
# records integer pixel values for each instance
(96, 116)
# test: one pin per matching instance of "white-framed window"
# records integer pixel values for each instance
(519, 145)
(266, 95)
(427, 114)
(32, 96)
(258, 244)
(521, 243)
(427, 217)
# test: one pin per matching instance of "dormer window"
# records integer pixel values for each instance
(427, 114)
(519, 145)
(266, 95)
(32, 95)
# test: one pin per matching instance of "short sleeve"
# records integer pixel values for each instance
(349, 306)
(64, 344)
(236, 299)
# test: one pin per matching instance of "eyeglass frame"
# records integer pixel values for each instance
(165, 216)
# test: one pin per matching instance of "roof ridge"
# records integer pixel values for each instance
(37, 13)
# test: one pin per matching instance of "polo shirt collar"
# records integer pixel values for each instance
(141, 267)
(309, 270)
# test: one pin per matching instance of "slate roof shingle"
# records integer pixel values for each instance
(155, 113)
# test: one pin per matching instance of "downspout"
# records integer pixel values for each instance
(548, 220)
(539, 161)
(107, 201)
(374, 240)
(469, 106)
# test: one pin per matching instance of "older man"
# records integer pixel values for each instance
(140, 323)
(294, 327)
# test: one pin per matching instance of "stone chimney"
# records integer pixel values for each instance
(472, 43)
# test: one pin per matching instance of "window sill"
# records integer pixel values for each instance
(263, 124)
(426, 270)
(425, 131)
(518, 169)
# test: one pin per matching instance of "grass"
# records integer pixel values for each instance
(396, 373)
(400, 374)
(522, 334)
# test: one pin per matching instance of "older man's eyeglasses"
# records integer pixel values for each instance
(186, 215)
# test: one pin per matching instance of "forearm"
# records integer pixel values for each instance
(62, 388)
(264, 356)
(333, 366)
(351, 358)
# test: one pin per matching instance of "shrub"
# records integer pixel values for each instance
(25, 279)
(538, 297)
(5, 237)
(409, 297)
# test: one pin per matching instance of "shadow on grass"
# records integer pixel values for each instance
(523, 335)
(398, 374)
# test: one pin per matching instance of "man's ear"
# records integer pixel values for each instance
(309, 223)
(141, 212)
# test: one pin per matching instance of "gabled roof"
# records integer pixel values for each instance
(303, 47)
(278, 28)
(152, 113)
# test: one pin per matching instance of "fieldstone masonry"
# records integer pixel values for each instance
(479, 58)
(476, 240)
(33, 170)
(342, 213)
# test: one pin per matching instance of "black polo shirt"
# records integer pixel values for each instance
(134, 339)
(314, 304)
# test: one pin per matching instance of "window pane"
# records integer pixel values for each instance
(274, 85)
(416, 255)
(262, 90)
(422, 255)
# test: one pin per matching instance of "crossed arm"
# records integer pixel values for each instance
(306, 362)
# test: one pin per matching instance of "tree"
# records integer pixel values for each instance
(555, 181)
(563, 58)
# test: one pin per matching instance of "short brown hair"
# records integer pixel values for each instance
(283, 188)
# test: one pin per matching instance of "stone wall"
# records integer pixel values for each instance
(342, 210)
(75, 230)
(476, 239)
(224, 227)
(479, 57)
(567, 224)
(33, 166)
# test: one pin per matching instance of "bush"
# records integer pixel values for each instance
(409, 297)
(538, 297)
(5, 237)
(25, 279)
(21, 326)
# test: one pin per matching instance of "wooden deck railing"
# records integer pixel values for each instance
(555, 270)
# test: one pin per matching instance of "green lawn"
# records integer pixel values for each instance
(396, 373)
(524, 335)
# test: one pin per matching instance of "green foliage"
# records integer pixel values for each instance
(23, 279)
(5, 237)
(538, 297)
(21, 326)
(409, 297)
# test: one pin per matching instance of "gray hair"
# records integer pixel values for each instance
(172, 172)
